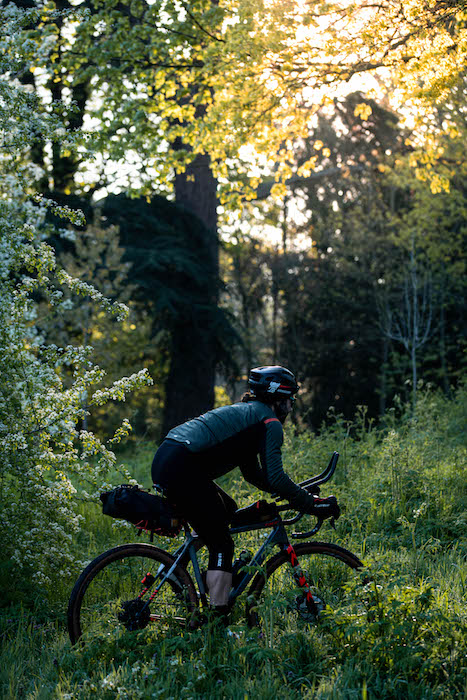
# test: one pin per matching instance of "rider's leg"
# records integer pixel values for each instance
(206, 507)
(219, 585)
(219, 576)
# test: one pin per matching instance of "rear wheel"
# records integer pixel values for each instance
(126, 589)
(276, 600)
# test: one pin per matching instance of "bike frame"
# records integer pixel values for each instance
(277, 536)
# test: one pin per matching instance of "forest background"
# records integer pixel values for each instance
(192, 189)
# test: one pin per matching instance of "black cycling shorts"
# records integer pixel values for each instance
(207, 508)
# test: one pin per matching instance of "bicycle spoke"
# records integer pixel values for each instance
(127, 591)
(283, 602)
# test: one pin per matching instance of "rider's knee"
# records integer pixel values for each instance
(221, 555)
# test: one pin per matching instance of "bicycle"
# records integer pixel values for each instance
(134, 585)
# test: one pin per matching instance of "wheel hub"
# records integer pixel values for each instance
(134, 614)
(307, 611)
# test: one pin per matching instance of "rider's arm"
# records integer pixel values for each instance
(251, 472)
(277, 479)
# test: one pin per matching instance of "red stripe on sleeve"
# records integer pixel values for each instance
(270, 420)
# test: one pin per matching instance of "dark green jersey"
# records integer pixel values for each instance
(234, 436)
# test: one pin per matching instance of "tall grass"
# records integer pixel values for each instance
(404, 489)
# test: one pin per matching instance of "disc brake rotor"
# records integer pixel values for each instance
(307, 611)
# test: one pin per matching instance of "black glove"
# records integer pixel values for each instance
(325, 508)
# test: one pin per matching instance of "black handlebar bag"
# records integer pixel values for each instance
(258, 513)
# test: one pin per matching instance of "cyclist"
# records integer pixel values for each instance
(195, 453)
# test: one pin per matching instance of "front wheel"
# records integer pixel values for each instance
(277, 600)
(128, 588)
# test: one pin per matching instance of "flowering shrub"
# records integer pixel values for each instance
(44, 457)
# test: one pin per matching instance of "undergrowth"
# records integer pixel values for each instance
(401, 628)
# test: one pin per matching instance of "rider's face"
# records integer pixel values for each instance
(283, 409)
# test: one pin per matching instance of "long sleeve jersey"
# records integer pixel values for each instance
(234, 436)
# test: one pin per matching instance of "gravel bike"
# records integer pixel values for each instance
(135, 585)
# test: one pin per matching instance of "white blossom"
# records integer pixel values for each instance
(42, 453)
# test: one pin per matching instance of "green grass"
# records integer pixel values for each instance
(400, 635)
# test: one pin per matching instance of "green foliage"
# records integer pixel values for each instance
(175, 282)
(44, 457)
(214, 77)
(95, 256)
(167, 249)
(365, 293)
(166, 82)
(239, 84)
(398, 632)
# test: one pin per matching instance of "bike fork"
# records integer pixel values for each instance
(301, 581)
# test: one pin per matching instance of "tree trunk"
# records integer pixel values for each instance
(190, 382)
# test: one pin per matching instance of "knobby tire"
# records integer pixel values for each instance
(113, 580)
(326, 566)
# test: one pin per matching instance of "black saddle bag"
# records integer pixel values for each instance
(145, 510)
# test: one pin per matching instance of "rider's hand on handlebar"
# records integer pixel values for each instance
(325, 508)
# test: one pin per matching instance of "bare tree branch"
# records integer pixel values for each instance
(409, 318)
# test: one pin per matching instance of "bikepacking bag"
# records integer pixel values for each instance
(145, 510)
(258, 513)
